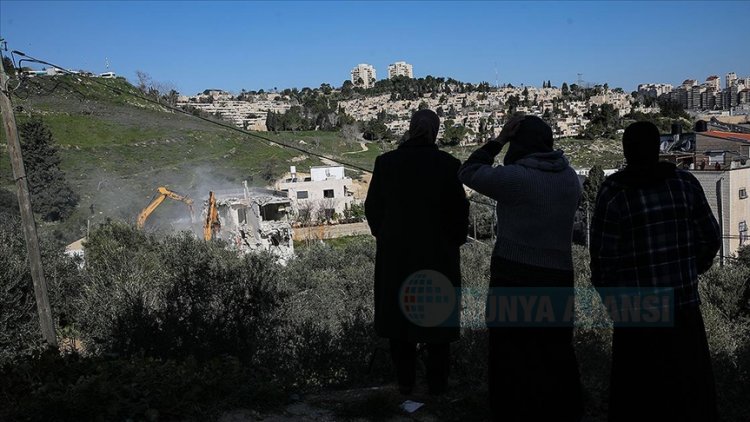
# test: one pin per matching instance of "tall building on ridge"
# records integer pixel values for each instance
(363, 75)
(400, 69)
(731, 79)
(714, 82)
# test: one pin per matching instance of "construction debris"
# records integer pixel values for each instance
(255, 219)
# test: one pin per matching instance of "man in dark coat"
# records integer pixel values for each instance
(652, 233)
(418, 212)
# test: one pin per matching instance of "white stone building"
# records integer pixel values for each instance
(400, 69)
(363, 75)
(324, 195)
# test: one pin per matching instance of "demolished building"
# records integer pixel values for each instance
(254, 219)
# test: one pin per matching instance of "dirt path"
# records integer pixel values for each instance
(361, 144)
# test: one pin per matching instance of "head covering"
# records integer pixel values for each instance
(423, 128)
(640, 144)
(533, 136)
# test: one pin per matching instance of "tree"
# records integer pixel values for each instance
(672, 109)
(347, 89)
(51, 195)
(590, 189)
(604, 122)
(144, 81)
(565, 90)
(743, 255)
(375, 130)
(453, 133)
(592, 184)
(513, 102)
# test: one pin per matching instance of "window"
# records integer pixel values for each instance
(242, 215)
(743, 193)
(328, 193)
(302, 194)
(744, 237)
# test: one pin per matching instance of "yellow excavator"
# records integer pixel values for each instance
(212, 224)
(163, 193)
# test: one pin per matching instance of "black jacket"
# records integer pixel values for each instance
(417, 210)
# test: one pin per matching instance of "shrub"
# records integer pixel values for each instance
(326, 320)
(724, 293)
(53, 387)
(20, 332)
(174, 297)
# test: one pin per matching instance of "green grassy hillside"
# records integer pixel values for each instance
(116, 149)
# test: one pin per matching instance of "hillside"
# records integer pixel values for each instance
(116, 149)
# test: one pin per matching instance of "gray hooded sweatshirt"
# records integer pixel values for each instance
(537, 197)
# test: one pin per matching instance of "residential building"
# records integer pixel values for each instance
(714, 82)
(323, 195)
(400, 69)
(654, 90)
(363, 75)
(731, 79)
(727, 194)
(721, 147)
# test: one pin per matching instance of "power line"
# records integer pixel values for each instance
(268, 141)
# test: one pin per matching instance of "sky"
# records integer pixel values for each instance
(248, 45)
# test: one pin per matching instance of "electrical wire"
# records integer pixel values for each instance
(266, 140)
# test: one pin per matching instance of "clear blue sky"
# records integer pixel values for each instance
(253, 45)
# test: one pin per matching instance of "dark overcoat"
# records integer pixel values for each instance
(417, 210)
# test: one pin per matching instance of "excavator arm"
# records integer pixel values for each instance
(212, 224)
(163, 193)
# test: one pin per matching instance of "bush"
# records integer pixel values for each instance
(724, 293)
(326, 320)
(50, 387)
(20, 332)
(174, 297)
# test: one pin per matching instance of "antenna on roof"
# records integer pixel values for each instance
(106, 63)
(497, 83)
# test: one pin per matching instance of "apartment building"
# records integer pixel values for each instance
(714, 82)
(727, 194)
(323, 195)
(400, 69)
(363, 75)
(730, 79)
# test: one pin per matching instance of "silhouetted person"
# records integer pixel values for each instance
(653, 228)
(533, 373)
(418, 212)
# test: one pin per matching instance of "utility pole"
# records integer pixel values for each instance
(27, 217)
